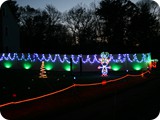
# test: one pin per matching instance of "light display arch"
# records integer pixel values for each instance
(62, 62)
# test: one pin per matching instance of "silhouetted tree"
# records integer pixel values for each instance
(115, 25)
(42, 30)
(117, 15)
(13, 6)
(32, 26)
(82, 24)
(144, 27)
(55, 32)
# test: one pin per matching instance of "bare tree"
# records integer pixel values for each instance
(80, 23)
(54, 16)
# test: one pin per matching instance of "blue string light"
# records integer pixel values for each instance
(119, 58)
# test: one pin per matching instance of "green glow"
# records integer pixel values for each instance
(137, 67)
(149, 58)
(48, 66)
(115, 67)
(7, 64)
(67, 67)
(27, 65)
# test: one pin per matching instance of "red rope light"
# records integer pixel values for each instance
(74, 85)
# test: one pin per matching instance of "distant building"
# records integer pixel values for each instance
(9, 30)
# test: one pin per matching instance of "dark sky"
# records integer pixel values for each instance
(61, 5)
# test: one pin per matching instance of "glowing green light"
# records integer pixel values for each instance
(27, 65)
(149, 58)
(48, 66)
(137, 67)
(67, 67)
(7, 64)
(116, 67)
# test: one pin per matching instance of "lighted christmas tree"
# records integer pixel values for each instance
(42, 71)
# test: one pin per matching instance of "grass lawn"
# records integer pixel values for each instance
(26, 84)
(23, 84)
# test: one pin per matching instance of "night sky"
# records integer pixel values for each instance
(61, 5)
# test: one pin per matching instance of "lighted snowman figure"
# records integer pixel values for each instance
(104, 60)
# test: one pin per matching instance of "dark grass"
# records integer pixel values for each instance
(129, 99)
(26, 84)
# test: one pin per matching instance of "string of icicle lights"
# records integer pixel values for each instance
(119, 58)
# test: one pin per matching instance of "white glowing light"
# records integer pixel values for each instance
(157, 118)
(2, 118)
(1, 2)
(158, 1)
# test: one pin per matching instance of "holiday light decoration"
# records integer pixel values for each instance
(137, 67)
(48, 65)
(154, 63)
(120, 58)
(27, 65)
(67, 67)
(104, 60)
(104, 82)
(115, 67)
(42, 71)
(59, 62)
(7, 64)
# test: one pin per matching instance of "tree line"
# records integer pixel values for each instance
(113, 25)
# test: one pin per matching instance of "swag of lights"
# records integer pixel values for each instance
(119, 58)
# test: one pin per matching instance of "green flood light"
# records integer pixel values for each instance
(67, 67)
(115, 67)
(27, 65)
(48, 66)
(137, 67)
(7, 64)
